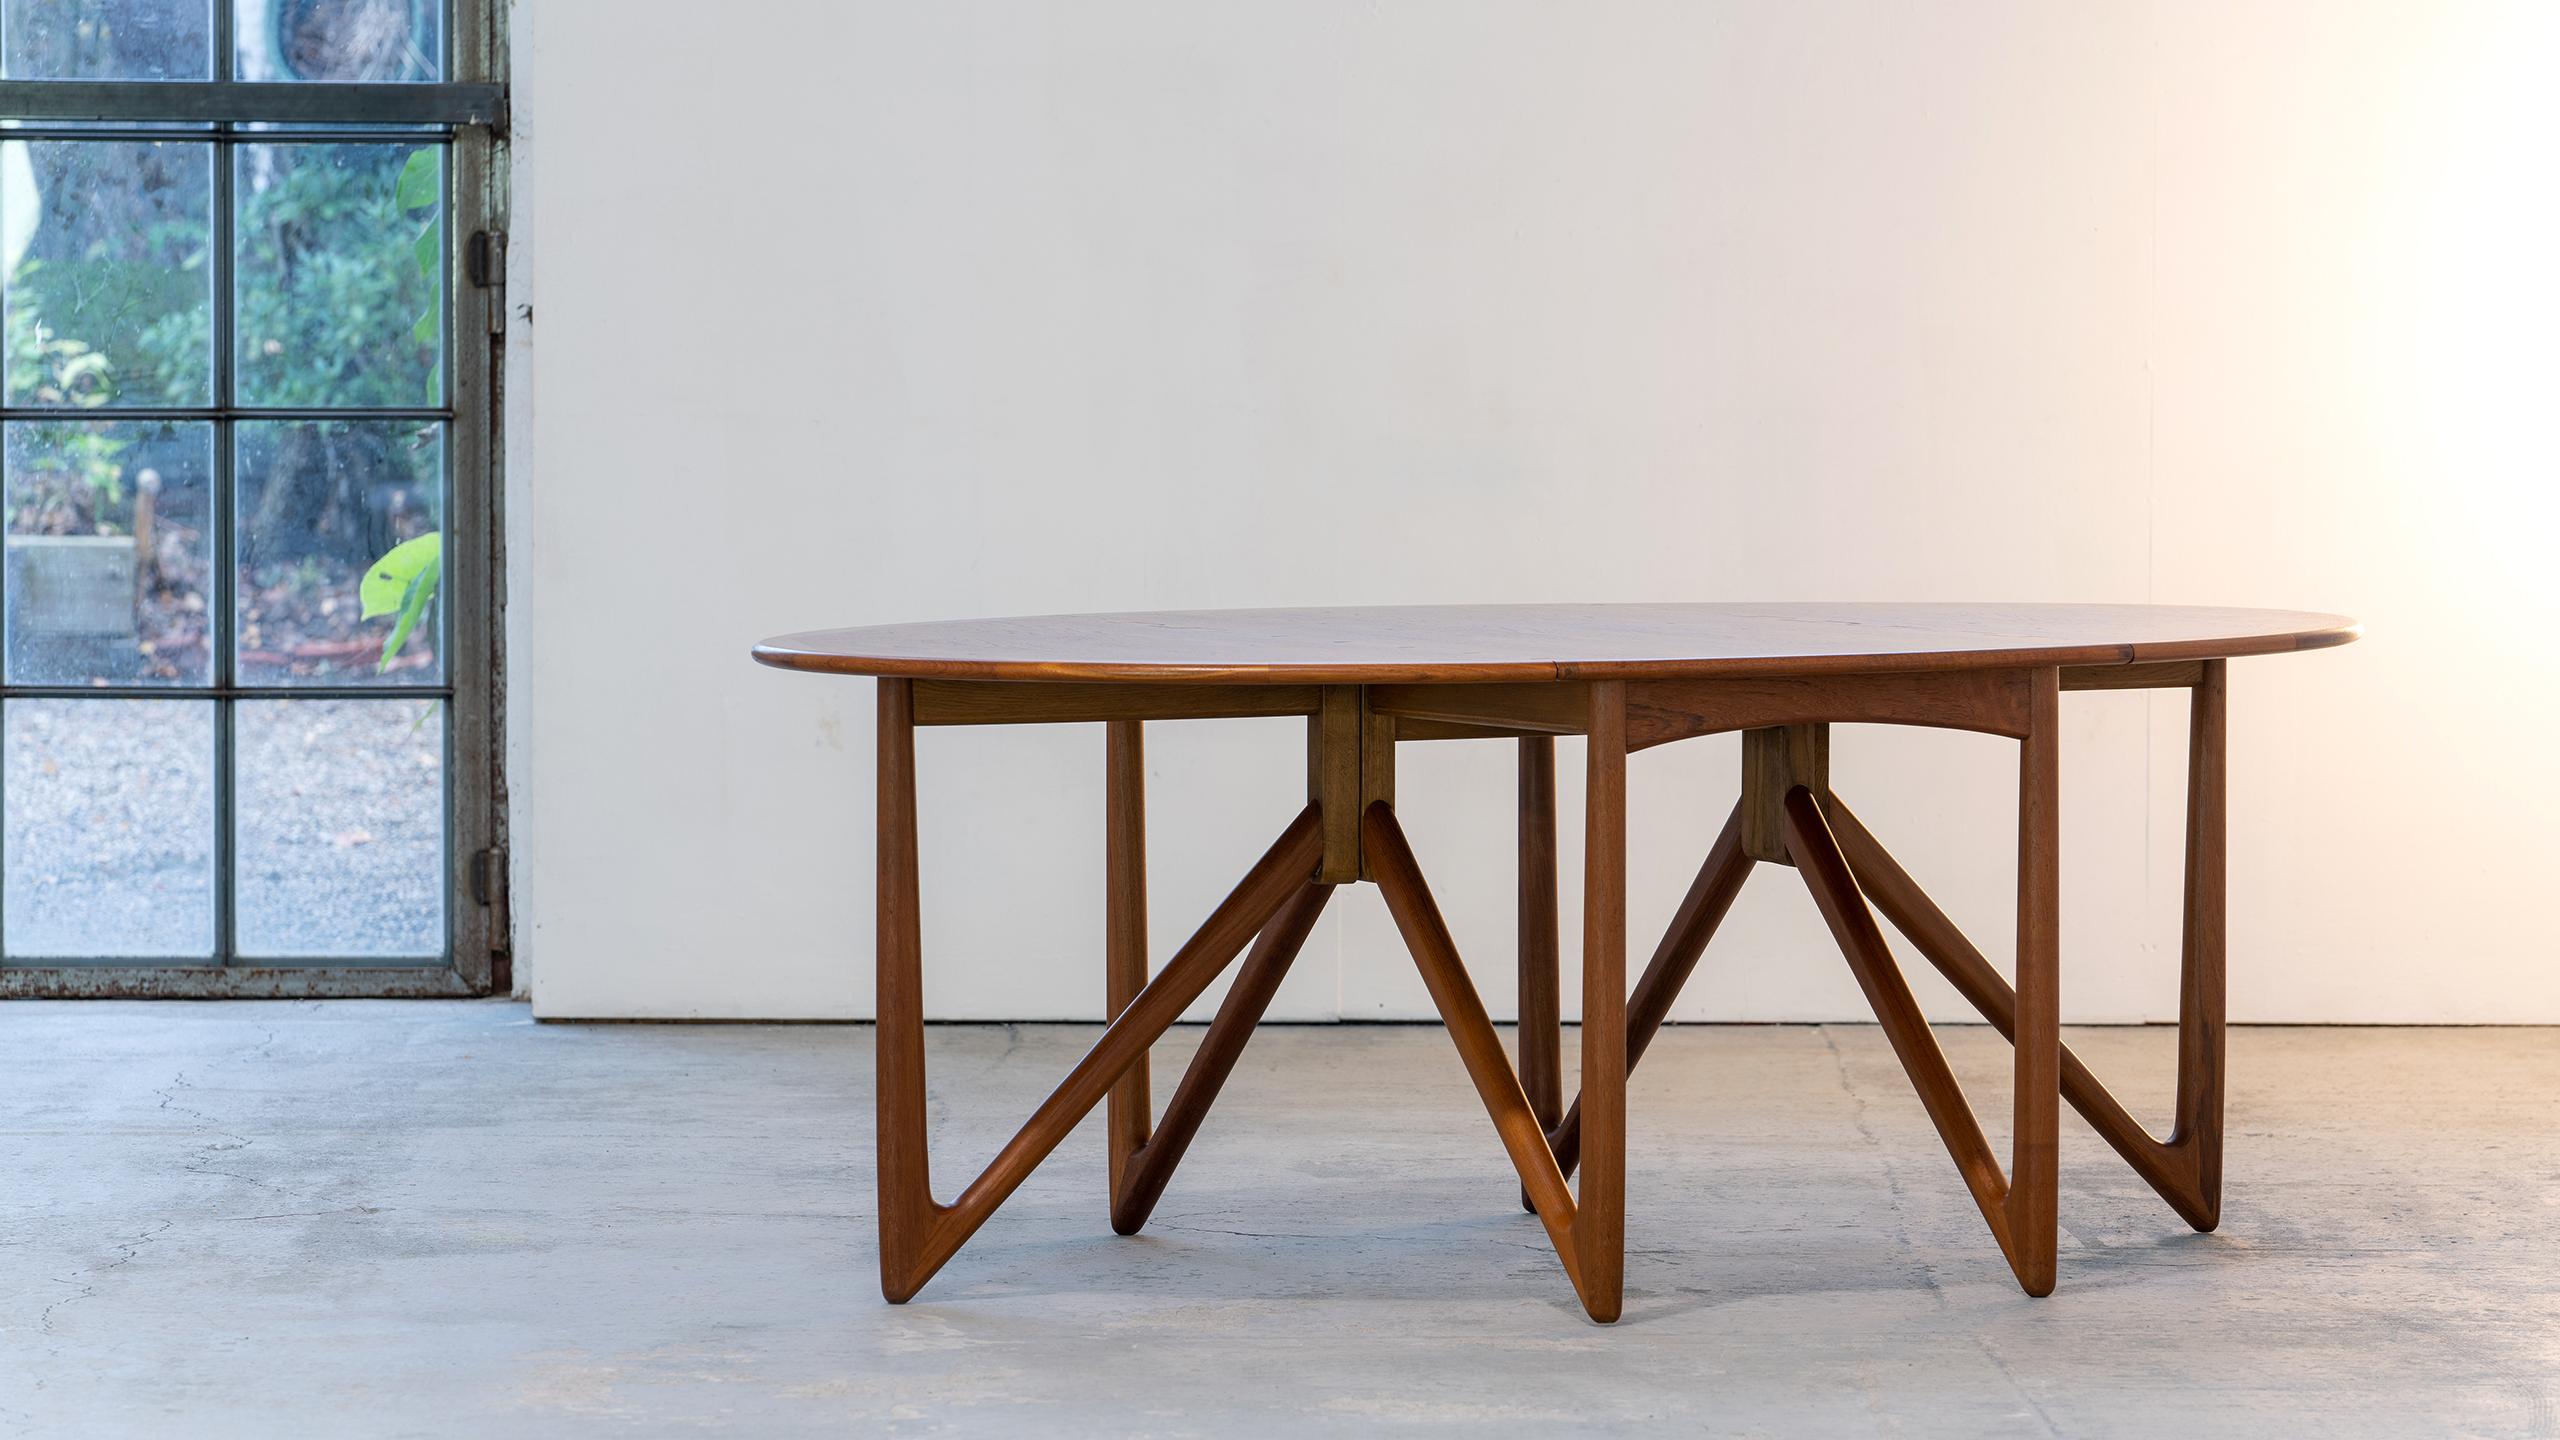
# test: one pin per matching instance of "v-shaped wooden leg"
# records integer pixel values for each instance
(2186, 1168)
(1150, 1166)
(1701, 910)
(917, 1234)
(2019, 1205)
(1142, 1150)
(1589, 1230)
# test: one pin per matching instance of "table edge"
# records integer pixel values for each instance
(778, 654)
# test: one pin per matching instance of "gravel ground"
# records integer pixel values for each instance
(109, 829)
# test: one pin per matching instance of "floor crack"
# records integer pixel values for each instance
(125, 1251)
(1240, 1234)
(209, 1151)
(2015, 1387)
(1892, 1172)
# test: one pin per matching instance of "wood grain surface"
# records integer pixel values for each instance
(1433, 644)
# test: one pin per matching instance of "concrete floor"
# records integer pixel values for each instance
(413, 1219)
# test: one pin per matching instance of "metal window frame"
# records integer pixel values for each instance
(467, 113)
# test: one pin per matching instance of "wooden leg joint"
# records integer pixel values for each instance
(1351, 765)
(1776, 760)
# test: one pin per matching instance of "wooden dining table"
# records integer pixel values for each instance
(1625, 678)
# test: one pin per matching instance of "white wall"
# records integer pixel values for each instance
(862, 312)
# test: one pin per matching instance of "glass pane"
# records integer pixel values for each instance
(341, 828)
(104, 246)
(107, 39)
(340, 277)
(340, 554)
(341, 39)
(110, 549)
(109, 839)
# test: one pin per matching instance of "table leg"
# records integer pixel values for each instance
(906, 1195)
(1541, 1018)
(1257, 981)
(1444, 974)
(1601, 1203)
(1128, 1114)
(2186, 1168)
(1710, 895)
(2197, 1132)
(2019, 1206)
(1847, 871)
(917, 1234)
(2035, 1146)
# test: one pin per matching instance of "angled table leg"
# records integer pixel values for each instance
(1701, 910)
(1541, 1013)
(1143, 1150)
(2019, 1206)
(917, 1234)
(2186, 1168)
(1444, 974)
(1150, 1167)
(1128, 1116)
(1588, 1230)
(2197, 1130)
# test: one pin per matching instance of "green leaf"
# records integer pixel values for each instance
(421, 180)
(425, 330)
(422, 591)
(387, 585)
(429, 247)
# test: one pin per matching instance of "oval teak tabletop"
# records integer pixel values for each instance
(1422, 644)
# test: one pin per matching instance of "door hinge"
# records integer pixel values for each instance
(489, 878)
(484, 264)
(489, 888)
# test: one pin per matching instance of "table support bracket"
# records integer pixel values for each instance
(1847, 869)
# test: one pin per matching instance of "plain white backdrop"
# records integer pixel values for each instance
(857, 312)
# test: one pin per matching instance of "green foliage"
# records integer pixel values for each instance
(110, 299)
(340, 253)
(48, 370)
(421, 187)
(51, 371)
(421, 181)
(339, 303)
(402, 582)
(338, 293)
(91, 457)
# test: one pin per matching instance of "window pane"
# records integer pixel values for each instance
(104, 246)
(341, 39)
(340, 276)
(109, 834)
(341, 828)
(338, 519)
(110, 551)
(107, 39)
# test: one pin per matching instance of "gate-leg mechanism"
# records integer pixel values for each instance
(1349, 831)
(1786, 799)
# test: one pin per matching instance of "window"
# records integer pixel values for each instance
(249, 267)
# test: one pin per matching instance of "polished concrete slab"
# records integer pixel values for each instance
(381, 1219)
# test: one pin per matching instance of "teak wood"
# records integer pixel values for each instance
(1624, 679)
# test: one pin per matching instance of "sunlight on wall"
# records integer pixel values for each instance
(2460, 286)
(1119, 304)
